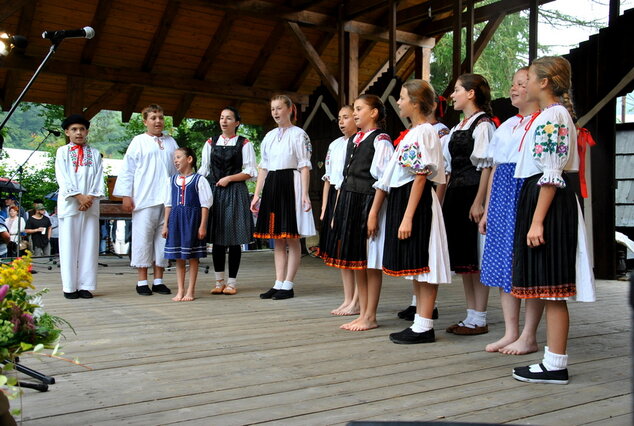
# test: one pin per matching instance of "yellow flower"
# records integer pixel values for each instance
(549, 128)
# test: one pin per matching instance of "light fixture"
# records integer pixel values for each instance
(8, 42)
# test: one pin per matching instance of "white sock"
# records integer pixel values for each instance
(287, 285)
(231, 282)
(469, 318)
(158, 281)
(435, 305)
(479, 318)
(278, 285)
(141, 283)
(422, 324)
(553, 361)
(413, 303)
(220, 276)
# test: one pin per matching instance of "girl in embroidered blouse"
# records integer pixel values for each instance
(498, 223)
(358, 228)
(335, 161)
(187, 206)
(228, 161)
(551, 260)
(415, 239)
(468, 166)
(284, 209)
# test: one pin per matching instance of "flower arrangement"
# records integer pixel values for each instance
(24, 326)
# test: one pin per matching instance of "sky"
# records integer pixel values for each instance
(570, 37)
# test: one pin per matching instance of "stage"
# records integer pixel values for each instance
(231, 360)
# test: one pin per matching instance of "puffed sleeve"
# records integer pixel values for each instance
(67, 186)
(249, 163)
(551, 149)
(445, 152)
(383, 150)
(125, 181)
(482, 135)
(204, 193)
(167, 192)
(303, 150)
(264, 153)
(422, 156)
(205, 156)
(97, 189)
(326, 176)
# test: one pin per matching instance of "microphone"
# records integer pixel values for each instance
(54, 132)
(86, 32)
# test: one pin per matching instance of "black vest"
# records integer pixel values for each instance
(356, 172)
(224, 160)
(463, 172)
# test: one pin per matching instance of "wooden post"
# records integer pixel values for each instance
(353, 67)
(457, 38)
(75, 97)
(532, 30)
(469, 41)
(343, 57)
(615, 7)
(392, 42)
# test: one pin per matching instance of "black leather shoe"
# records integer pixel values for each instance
(409, 337)
(161, 289)
(268, 294)
(407, 313)
(283, 294)
(434, 315)
(85, 294)
(73, 295)
(144, 290)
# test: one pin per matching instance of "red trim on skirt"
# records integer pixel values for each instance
(564, 290)
(406, 272)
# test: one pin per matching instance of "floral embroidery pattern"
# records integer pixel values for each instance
(551, 138)
(410, 156)
(87, 160)
(307, 144)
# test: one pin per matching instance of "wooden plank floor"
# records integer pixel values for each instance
(231, 360)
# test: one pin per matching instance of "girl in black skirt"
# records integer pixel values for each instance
(469, 166)
(550, 260)
(284, 211)
(358, 226)
(415, 239)
(228, 161)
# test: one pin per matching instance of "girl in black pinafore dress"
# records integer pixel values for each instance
(228, 162)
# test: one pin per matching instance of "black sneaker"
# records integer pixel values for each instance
(73, 295)
(161, 289)
(407, 313)
(144, 290)
(283, 294)
(84, 294)
(434, 314)
(409, 337)
(557, 377)
(268, 294)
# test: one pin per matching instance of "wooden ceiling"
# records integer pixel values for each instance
(194, 57)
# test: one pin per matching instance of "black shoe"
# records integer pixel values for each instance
(407, 313)
(409, 337)
(84, 294)
(161, 289)
(283, 294)
(73, 295)
(144, 290)
(268, 294)
(434, 315)
(524, 374)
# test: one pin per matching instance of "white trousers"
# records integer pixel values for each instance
(78, 251)
(148, 245)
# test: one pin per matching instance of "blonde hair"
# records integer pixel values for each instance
(151, 108)
(558, 72)
(289, 103)
(421, 93)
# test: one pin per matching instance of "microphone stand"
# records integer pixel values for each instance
(52, 50)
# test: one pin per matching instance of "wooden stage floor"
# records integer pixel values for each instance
(231, 360)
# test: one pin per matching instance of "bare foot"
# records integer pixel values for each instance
(352, 323)
(351, 309)
(339, 309)
(178, 297)
(496, 346)
(363, 325)
(520, 347)
(187, 298)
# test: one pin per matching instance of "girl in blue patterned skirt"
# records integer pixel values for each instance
(186, 211)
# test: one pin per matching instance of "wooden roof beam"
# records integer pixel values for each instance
(306, 68)
(354, 9)
(481, 14)
(141, 79)
(400, 52)
(98, 24)
(304, 4)
(9, 7)
(265, 53)
(423, 11)
(114, 90)
(313, 57)
(160, 35)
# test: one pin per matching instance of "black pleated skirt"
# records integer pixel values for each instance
(276, 217)
(409, 256)
(230, 220)
(325, 233)
(349, 247)
(547, 271)
(462, 233)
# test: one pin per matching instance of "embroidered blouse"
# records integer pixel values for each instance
(249, 162)
(335, 162)
(78, 177)
(204, 190)
(286, 148)
(506, 140)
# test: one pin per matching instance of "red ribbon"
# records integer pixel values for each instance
(497, 121)
(357, 139)
(400, 137)
(442, 105)
(80, 155)
(528, 127)
(584, 139)
(182, 197)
